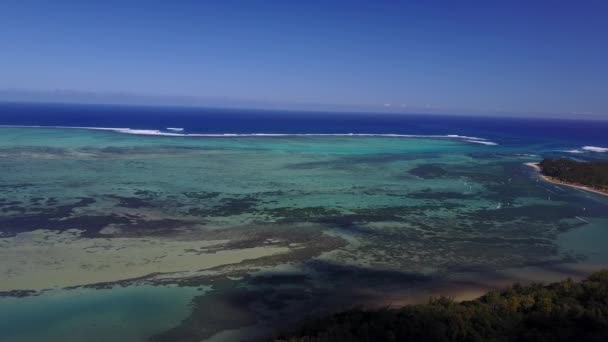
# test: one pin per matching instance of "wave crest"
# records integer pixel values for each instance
(595, 149)
(174, 133)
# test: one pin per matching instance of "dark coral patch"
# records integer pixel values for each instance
(428, 171)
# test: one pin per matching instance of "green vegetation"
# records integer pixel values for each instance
(593, 174)
(564, 311)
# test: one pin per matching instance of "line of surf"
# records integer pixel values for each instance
(595, 149)
(175, 133)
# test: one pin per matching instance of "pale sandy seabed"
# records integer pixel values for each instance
(43, 259)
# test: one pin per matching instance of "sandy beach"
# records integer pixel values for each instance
(536, 166)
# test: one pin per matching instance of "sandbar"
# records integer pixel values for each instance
(45, 259)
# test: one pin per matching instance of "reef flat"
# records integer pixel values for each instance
(274, 226)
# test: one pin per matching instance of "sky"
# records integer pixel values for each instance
(485, 56)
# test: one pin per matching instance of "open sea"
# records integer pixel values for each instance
(186, 224)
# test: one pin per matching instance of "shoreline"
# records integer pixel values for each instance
(537, 167)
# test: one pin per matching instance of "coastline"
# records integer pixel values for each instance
(536, 167)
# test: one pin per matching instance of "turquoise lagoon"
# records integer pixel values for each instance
(254, 232)
(119, 314)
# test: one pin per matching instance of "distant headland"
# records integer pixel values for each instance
(588, 176)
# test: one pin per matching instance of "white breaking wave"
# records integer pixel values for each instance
(464, 137)
(483, 142)
(588, 149)
(595, 149)
(155, 132)
(175, 129)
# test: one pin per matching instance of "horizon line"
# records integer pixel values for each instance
(62, 97)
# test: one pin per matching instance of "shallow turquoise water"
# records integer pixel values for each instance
(119, 314)
(362, 213)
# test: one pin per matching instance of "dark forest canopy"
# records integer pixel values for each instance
(593, 174)
(564, 311)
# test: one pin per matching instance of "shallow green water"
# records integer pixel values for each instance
(120, 314)
(362, 213)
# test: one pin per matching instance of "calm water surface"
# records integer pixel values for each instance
(160, 237)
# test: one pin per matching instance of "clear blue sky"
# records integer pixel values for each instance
(542, 56)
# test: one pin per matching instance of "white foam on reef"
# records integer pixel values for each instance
(175, 129)
(148, 132)
(155, 132)
(595, 149)
(488, 143)
(464, 137)
(574, 151)
(474, 140)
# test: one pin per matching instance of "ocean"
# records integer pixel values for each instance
(169, 224)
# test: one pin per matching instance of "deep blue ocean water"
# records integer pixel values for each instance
(507, 131)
